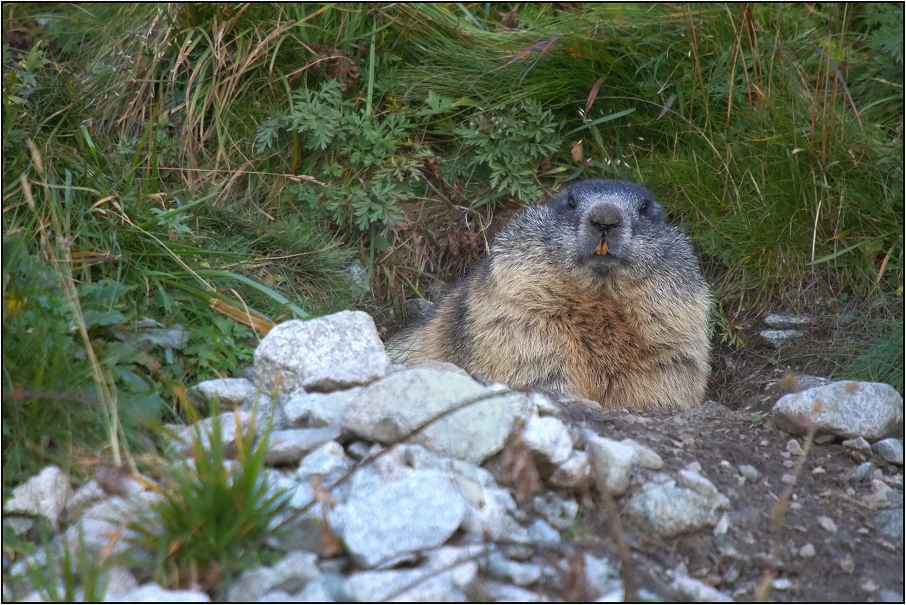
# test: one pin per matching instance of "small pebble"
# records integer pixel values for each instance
(749, 472)
(818, 470)
(782, 584)
(827, 524)
(788, 464)
(788, 479)
(847, 565)
(764, 443)
(807, 551)
(793, 447)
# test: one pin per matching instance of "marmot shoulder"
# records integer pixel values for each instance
(590, 294)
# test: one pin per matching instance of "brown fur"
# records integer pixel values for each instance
(542, 311)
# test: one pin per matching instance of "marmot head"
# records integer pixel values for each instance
(602, 230)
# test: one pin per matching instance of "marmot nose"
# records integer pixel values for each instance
(605, 217)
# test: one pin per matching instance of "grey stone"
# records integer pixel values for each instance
(84, 498)
(545, 406)
(849, 409)
(749, 472)
(329, 461)
(807, 551)
(858, 448)
(521, 574)
(602, 577)
(777, 338)
(174, 337)
(668, 510)
(408, 585)
(291, 574)
(573, 473)
(689, 589)
(703, 487)
(498, 592)
(231, 424)
(315, 592)
(289, 446)
(332, 352)
(782, 584)
(43, 495)
(391, 408)
(440, 366)
(890, 450)
(309, 410)
(120, 582)
(229, 392)
(889, 523)
(489, 514)
(613, 460)
(786, 322)
(368, 368)
(445, 558)
(827, 524)
(889, 596)
(860, 473)
(277, 596)
(548, 438)
(793, 447)
(384, 520)
(153, 593)
(556, 510)
(645, 457)
(104, 527)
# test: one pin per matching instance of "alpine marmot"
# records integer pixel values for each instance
(590, 294)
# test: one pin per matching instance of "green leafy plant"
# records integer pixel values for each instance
(509, 148)
(210, 510)
(376, 179)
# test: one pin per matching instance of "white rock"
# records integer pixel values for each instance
(383, 520)
(667, 510)
(329, 461)
(328, 353)
(231, 424)
(686, 588)
(780, 337)
(307, 410)
(228, 391)
(702, 486)
(498, 592)
(391, 408)
(153, 593)
(548, 438)
(291, 574)
(786, 322)
(890, 449)
(289, 446)
(614, 460)
(573, 473)
(848, 409)
(43, 495)
(409, 585)
(542, 533)
(645, 457)
(521, 574)
(749, 472)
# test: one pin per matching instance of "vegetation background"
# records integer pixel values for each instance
(176, 177)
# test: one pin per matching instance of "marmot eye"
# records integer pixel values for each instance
(571, 200)
(643, 209)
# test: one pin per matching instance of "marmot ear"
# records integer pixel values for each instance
(571, 200)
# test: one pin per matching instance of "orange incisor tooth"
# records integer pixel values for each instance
(601, 249)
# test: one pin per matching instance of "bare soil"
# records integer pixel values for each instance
(721, 440)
